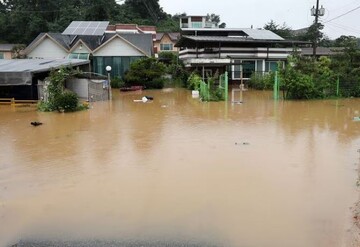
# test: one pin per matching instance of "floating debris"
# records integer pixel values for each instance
(36, 123)
(242, 143)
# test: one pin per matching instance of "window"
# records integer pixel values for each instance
(79, 56)
(166, 47)
(1, 55)
(119, 65)
(271, 66)
(196, 24)
(246, 66)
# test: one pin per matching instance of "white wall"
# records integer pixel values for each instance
(118, 47)
(48, 49)
(78, 86)
(82, 50)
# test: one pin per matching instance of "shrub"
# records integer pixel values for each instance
(147, 72)
(67, 101)
(194, 80)
(117, 82)
(262, 81)
(157, 83)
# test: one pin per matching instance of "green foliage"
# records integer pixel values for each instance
(67, 101)
(194, 80)
(262, 81)
(22, 20)
(283, 31)
(44, 106)
(304, 78)
(168, 57)
(59, 99)
(18, 51)
(147, 72)
(174, 67)
(214, 18)
(117, 82)
(178, 73)
(211, 91)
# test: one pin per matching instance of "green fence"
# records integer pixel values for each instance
(337, 87)
(215, 91)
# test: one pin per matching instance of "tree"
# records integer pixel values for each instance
(283, 31)
(148, 72)
(215, 19)
(146, 9)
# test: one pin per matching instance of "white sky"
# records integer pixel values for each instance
(295, 13)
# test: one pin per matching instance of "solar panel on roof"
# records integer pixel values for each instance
(91, 28)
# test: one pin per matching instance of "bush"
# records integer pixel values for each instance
(262, 81)
(157, 83)
(194, 80)
(117, 82)
(67, 101)
(146, 72)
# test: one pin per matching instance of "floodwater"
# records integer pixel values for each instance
(262, 173)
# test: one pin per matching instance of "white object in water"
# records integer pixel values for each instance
(144, 99)
(195, 93)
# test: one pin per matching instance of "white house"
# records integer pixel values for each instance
(104, 48)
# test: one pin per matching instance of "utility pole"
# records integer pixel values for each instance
(316, 12)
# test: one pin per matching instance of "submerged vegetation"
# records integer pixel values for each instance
(210, 90)
(57, 98)
(308, 78)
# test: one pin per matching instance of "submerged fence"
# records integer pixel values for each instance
(309, 87)
(213, 90)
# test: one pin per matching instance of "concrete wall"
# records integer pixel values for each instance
(48, 49)
(79, 86)
(118, 47)
(92, 90)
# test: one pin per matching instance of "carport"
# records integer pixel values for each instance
(19, 77)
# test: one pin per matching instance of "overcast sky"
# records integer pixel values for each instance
(295, 13)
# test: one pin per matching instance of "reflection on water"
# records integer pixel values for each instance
(263, 173)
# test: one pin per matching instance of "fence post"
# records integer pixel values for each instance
(276, 87)
(226, 86)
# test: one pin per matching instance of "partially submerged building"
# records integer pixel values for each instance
(98, 42)
(21, 78)
(240, 51)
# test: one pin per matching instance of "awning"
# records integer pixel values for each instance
(17, 72)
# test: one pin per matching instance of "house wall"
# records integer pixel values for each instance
(80, 48)
(48, 49)
(118, 47)
(165, 40)
(5, 55)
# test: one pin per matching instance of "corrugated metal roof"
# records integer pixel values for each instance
(259, 34)
(37, 65)
(18, 72)
(217, 38)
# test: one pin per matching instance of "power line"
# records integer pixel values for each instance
(337, 17)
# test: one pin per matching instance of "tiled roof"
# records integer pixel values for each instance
(173, 36)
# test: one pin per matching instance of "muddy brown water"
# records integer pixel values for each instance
(263, 173)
